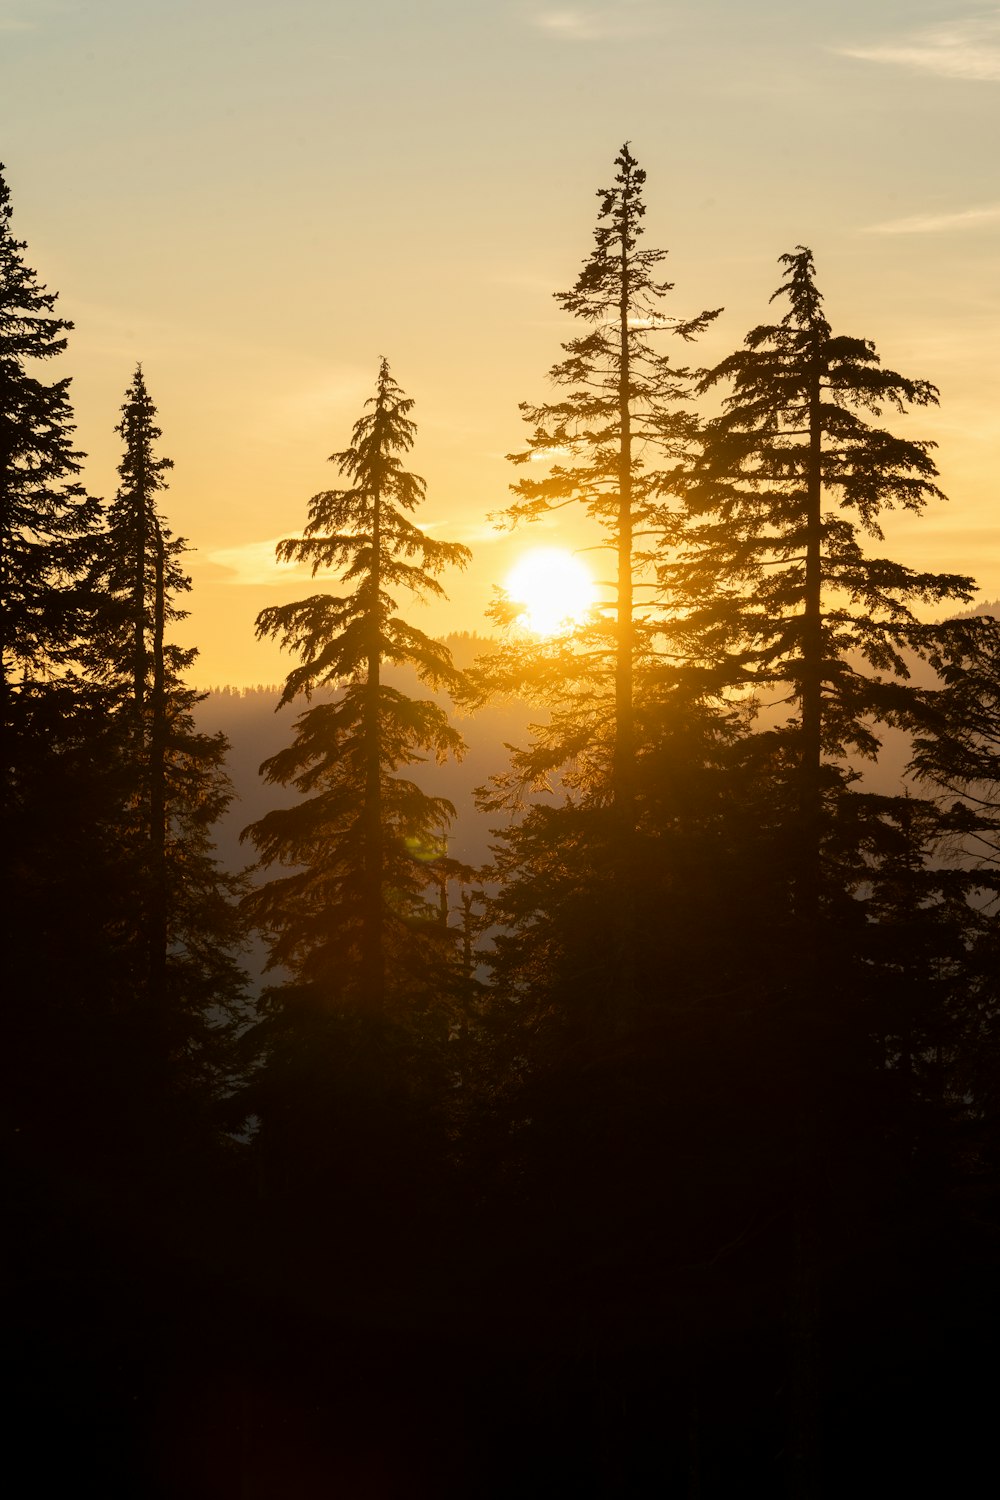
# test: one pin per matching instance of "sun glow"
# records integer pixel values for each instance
(555, 589)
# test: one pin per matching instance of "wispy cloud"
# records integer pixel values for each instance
(470, 533)
(255, 563)
(966, 218)
(329, 393)
(523, 280)
(967, 49)
(592, 23)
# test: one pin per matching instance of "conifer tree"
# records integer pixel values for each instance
(51, 789)
(179, 920)
(823, 643)
(136, 536)
(623, 418)
(353, 1069)
(792, 478)
(45, 514)
(350, 921)
(611, 443)
(605, 897)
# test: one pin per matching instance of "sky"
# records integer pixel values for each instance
(259, 201)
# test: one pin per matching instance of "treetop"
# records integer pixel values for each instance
(23, 333)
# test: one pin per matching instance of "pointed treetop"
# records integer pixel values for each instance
(779, 360)
(799, 286)
(139, 468)
(381, 431)
(364, 532)
(25, 331)
(624, 204)
(617, 274)
(598, 287)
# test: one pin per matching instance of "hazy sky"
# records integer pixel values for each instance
(258, 202)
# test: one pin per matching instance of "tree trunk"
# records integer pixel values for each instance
(812, 674)
(372, 956)
(139, 660)
(157, 934)
(804, 1447)
(624, 747)
(623, 766)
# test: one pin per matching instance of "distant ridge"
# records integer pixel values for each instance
(988, 607)
(464, 645)
(226, 690)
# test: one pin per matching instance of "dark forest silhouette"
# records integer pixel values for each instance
(618, 1111)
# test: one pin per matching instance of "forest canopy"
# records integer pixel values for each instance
(656, 1152)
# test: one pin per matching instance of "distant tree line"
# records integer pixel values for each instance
(659, 1156)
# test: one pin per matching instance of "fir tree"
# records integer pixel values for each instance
(137, 539)
(791, 480)
(606, 894)
(628, 734)
(180, 923)
(53, 790)
(45, 515)
(623, 417)
(611, 443)
(349, 921)
(353, 1065)
(875, 938)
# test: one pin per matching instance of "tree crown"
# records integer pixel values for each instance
(364, 530)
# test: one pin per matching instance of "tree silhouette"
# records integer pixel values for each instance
(179, 922)
(623, 413)
(46, 517)
(608, 906)
(611, 442)
(54, 792)
(792, 477)
(783, 600)
(350, 919)
(352, 1071)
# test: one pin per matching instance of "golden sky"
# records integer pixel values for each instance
(258, 202)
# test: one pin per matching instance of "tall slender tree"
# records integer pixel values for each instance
(182, 925)
(610, 442)
(605, 900)
(139, 576)
(353, 1068)
(52, 794)
(791, 479)
(46, 518)
(623, 418)
(140, 548)
(785, 602)
(349, 920)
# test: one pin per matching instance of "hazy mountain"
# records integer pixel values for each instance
(248, 717)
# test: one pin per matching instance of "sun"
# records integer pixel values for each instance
(555, 589)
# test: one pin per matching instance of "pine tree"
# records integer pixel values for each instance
(46, 517)
(606, 895)
(137, 539)
(611, 443)
(791, 479)
(53, 791)
(822, 642)
(623, 417)
(353, 1068)
(179, 923)
(351, 921)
